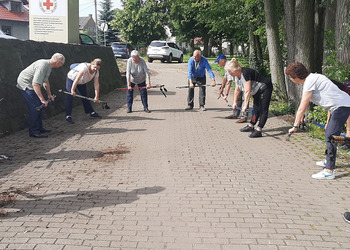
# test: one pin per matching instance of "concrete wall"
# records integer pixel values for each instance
(19, 30)
(15, 55)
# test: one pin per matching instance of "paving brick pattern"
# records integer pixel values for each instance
(171, 179)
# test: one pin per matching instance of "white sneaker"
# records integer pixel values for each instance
(202, 108)
(322, 163)
(324, 175)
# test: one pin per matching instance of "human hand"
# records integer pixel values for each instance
(292, 130)
(73, 93)
(51, 97)
(96, 99)
(213, 83)
(191, 85)
(129, 87)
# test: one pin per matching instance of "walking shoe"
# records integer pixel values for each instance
(247, 129)
(38, 136)
(347, 217)
(324, 175)
(128, 111)
(231, 117)
(202, 108)
(241, 120)
(189, 108)
(69, 119)
(147, 110)
(255, 134)
(95, 115)
(322, 163)
(45, 130)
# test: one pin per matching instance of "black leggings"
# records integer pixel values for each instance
(261, 103)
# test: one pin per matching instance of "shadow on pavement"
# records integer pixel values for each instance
(75, 201)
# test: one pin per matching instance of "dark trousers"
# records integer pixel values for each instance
(143, 94)
(35, 118)
(69, 98)
(334, 127)
(201, 82)
(261, 106)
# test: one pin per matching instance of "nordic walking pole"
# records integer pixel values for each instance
(161, 88)
(207, 85)
(43, 105)
(104, 104)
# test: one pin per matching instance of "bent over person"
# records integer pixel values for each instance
(138, 74)
(196, 76)
(254, 85)
(30, 81)
(77, 77)
(321, 91)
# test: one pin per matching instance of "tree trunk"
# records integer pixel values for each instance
(342, 26)
(275, 52)
(320, 13)
(206, 45)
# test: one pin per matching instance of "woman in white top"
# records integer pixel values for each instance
(321, 91)
(138, 74)
(77, 77)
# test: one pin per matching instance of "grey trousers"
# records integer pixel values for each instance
(201, 83)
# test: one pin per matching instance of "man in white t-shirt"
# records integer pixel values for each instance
(321, 91)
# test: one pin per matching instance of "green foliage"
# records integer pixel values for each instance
(107, 15)
(281, 108)
(332, 68)
(318, 115)
(140, 22)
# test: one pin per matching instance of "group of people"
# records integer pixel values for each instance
(317, 88)
(248, 83)
(36, 75)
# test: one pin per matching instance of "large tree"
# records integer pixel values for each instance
(106, 16)
(141, 21)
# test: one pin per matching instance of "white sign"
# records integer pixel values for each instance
(48, 20)
(104, 27)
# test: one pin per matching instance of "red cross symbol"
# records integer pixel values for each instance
(48, 4)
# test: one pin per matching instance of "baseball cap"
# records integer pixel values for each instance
(221, 56)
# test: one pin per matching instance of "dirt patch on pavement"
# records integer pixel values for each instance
(112, 154)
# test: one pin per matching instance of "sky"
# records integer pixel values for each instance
(87, 7)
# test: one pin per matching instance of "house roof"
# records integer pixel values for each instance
(83, 21)
(5, 14)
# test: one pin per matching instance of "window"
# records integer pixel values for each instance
(6, 30)
(16, 7)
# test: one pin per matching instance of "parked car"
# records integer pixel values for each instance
(121, 49)
(164, 51)
(86, 40)
(3, 35)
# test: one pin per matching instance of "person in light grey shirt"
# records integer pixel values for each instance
(138, 74)
(30, 81)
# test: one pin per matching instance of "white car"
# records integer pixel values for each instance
(3, 35)
(164, 51)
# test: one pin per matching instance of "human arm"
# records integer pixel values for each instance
(190, 72)
(328, 117)
(75, 83)
(247, 94)
(304, 104)
(37, 90)
(224, 81)
(236, 96)
(97, 88)
(46, 86)
(211, 74)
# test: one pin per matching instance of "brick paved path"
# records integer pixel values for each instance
(168, 180)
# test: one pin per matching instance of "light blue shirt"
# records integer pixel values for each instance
(197, 69)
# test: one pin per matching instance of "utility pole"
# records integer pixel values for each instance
(96, 27)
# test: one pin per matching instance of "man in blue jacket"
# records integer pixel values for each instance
(196, 76)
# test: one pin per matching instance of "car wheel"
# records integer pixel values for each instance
(181, 59)
(162, 60)
(150, 60)
(170, 58)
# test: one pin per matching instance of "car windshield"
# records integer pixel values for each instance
(119, 45)
(158, 44)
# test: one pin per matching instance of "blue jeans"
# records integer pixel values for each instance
(335, 126)
(143, 93)
(69, 98)
(35, 118)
